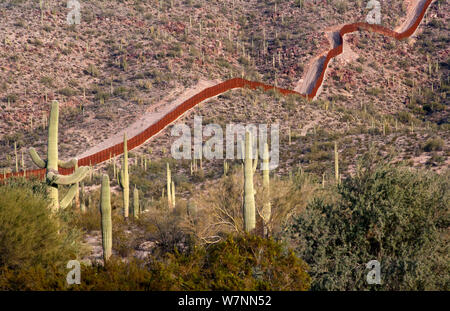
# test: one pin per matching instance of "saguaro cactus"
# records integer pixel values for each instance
(17, 159)
(105, 210)
(124, 178)
(82, 199)
(169, 184)
(135, 203)
(53, 179)
(266, 211)
(114, 168)
(172, 192)
(249, 195)
(336, 162)
(225, 167)
(77, 192)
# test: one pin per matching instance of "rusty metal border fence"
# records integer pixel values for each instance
(220, 88)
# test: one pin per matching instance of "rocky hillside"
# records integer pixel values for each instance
(126, 57)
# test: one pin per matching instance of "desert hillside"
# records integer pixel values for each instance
(126, 57)
(363, 164)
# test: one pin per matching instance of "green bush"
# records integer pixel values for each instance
(238, 263)
(433, 144)
(241, 263)
(391, 214)
(29, 233)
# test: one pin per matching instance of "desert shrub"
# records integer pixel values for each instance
(237, 263)
(92, 70)
(117, 275)
(374, 91)
(34, 277)
(396, 216)
(88, 221)
(124, 241)
(11, 98)
(30, 233)
(67, 91)
(405, 117)
(433, 144)
(168, 228)
(221, 205)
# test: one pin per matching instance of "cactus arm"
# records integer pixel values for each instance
(69, 164)
(36, 158)
(76, 177)
(69, 196)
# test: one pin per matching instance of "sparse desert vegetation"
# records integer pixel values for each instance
(362, 172)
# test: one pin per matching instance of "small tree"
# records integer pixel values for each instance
(387, 213)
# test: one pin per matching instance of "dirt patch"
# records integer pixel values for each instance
(152, 116)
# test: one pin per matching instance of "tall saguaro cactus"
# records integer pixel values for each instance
(266, 211)
(54, 179)
(17, 159)
(124, 178)
(172, 192)
(105, 210)
(136, 203)
(169, 186)
(249, 195)
(77, 192)
(336, 162)
(82, 199)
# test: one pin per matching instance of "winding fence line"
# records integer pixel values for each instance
(227, 85)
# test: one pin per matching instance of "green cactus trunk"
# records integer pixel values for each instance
(172, 192)
(124, 178)
(114, 168)
(169, 184)
(136, 203)
(77, 194)
(105, 210)
(249, 196)
(225, 167)
(17, 159)
(266, 211)
(52, 152)
(22, 162)
(336, 163)
(82, 199)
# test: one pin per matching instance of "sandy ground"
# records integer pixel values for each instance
(414, 7)
(313, 70)
(153, 114)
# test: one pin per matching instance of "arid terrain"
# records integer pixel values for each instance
(128, 63)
